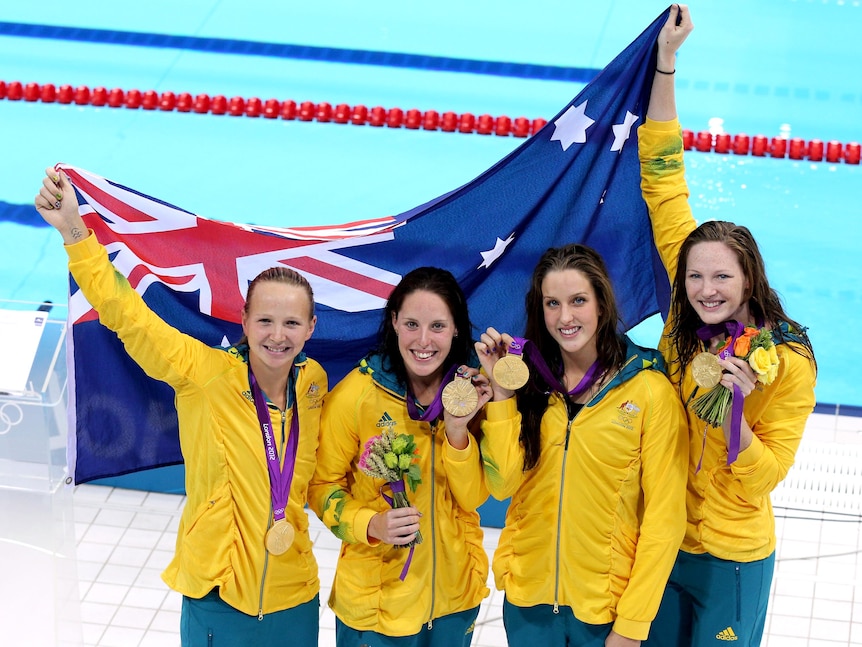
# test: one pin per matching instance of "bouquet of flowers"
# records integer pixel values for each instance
(393, 458)
(757, 348)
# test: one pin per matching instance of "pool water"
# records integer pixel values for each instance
(780, 67)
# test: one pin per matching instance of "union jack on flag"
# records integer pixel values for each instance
(576, 180)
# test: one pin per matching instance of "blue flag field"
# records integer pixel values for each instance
(577, 180)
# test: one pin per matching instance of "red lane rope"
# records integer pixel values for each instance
(813, 150)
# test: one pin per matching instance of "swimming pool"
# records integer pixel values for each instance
(780, 67)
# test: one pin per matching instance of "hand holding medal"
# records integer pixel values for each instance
(511, 371)
(460, 397)
(493, 349)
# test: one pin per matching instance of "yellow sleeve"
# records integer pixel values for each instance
(778, 428)
(664, 457)
(329, 492)
(502, 453)
(162, 351)
(464, 474)
(664, 188)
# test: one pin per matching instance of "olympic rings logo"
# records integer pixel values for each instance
(10, 419)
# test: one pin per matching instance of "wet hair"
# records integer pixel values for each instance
(443, 284)
(764, 303)
(611, 348)
(283, 275)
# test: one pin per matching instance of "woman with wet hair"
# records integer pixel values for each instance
(719, 588)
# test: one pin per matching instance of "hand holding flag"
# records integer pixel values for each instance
(576, 180)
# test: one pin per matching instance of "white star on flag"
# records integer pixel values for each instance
(493, 254)
(571, 127)
(623, 130)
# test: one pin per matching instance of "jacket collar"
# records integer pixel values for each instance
(637, 359)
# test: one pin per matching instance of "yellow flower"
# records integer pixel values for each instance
(759, 361)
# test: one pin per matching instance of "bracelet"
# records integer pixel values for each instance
(663, 72)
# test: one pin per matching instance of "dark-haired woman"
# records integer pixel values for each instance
(719, 588)
(243, 559)
(384, 595)
(592, 452)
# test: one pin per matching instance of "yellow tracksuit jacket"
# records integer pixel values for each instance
(449, 570)
(597, 524)
(220, 540)
(728, 506)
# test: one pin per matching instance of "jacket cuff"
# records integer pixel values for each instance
(671, 126)
(632, 629)
(459, 455)
(83, 249)
(751, 454)
(360, 526)
(496, 411)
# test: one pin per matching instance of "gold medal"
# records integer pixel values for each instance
(279, 537)
(460, 397)
(706, 370)
(511, 372)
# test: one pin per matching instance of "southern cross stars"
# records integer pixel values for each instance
(571, 128)
(623, 130)
(493, 254)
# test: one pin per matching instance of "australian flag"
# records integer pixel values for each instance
(576, 180)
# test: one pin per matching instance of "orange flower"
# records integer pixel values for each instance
(743, 343)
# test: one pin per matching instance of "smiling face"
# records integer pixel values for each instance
(425, 329)
(715, 284)
(277, 322)
(571, 312)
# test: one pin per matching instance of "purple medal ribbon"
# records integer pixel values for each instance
(521, 345)
(398, 486)
(436, 407)
(705, 333)
(279, 478)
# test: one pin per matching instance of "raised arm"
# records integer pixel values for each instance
(662, 104)
(163, 352)
(660, 147)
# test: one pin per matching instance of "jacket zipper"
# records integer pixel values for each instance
(560, 516)
(266, 552)
(563, 480)
(433, 529)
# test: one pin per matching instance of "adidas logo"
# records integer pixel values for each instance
(386, 420)
(726, 634)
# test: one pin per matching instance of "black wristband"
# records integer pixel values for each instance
(663, 72)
